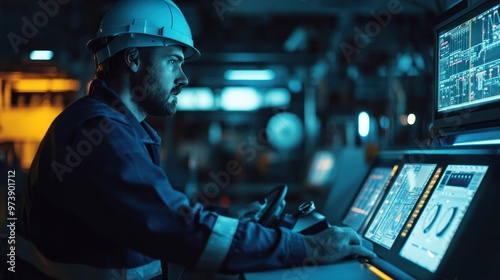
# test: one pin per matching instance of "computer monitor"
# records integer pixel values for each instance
(429, 239)
(399, 202)
(467, 68)
(369, 196)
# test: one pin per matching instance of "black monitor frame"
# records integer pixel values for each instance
(477, 116)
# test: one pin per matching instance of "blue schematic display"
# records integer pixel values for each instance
(398, 203)
(469, 63)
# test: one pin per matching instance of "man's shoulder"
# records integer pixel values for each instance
(87, 108)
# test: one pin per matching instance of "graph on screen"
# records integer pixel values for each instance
(369, 195)
(468, 62)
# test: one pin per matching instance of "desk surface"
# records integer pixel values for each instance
(351, 270)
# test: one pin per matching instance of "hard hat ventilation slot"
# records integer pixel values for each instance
(138, 25)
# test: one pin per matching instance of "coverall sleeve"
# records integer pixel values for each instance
(118, 191)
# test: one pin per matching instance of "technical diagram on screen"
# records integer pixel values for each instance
(468, 62)
(398, 203)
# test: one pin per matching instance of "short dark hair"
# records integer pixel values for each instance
(108, 68)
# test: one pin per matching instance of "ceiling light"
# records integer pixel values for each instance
(363, 124)
(41, 55)
(240, 99)
(277, 97)
(250, 75)
(193, 99)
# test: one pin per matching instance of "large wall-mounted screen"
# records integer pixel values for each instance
(467, 67)
(469, 62)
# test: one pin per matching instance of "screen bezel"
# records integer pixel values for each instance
(481, 115)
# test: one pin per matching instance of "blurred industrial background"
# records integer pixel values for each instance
(323, 86)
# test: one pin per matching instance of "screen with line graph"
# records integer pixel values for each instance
(468, 62)
(368, 197)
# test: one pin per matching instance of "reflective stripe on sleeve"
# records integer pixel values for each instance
(29, 253)
(218, 244)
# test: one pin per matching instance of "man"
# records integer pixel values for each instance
(97, 204)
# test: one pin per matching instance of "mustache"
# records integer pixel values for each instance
(176, 90)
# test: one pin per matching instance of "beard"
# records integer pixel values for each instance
(153, 99)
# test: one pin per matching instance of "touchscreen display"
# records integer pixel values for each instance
(398, 203)
(434, 230)
(367, 198)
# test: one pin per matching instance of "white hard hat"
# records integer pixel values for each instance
(142, 23)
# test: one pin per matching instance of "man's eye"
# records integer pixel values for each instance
(175, 62)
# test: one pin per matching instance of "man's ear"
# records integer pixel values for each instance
(132, 59)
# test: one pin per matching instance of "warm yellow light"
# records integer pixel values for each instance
(379, 273)
(46, 85)
(403, 119)
(26, 125)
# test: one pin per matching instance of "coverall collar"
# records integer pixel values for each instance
(100, 91)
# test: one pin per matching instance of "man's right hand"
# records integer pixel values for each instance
(334, 244)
